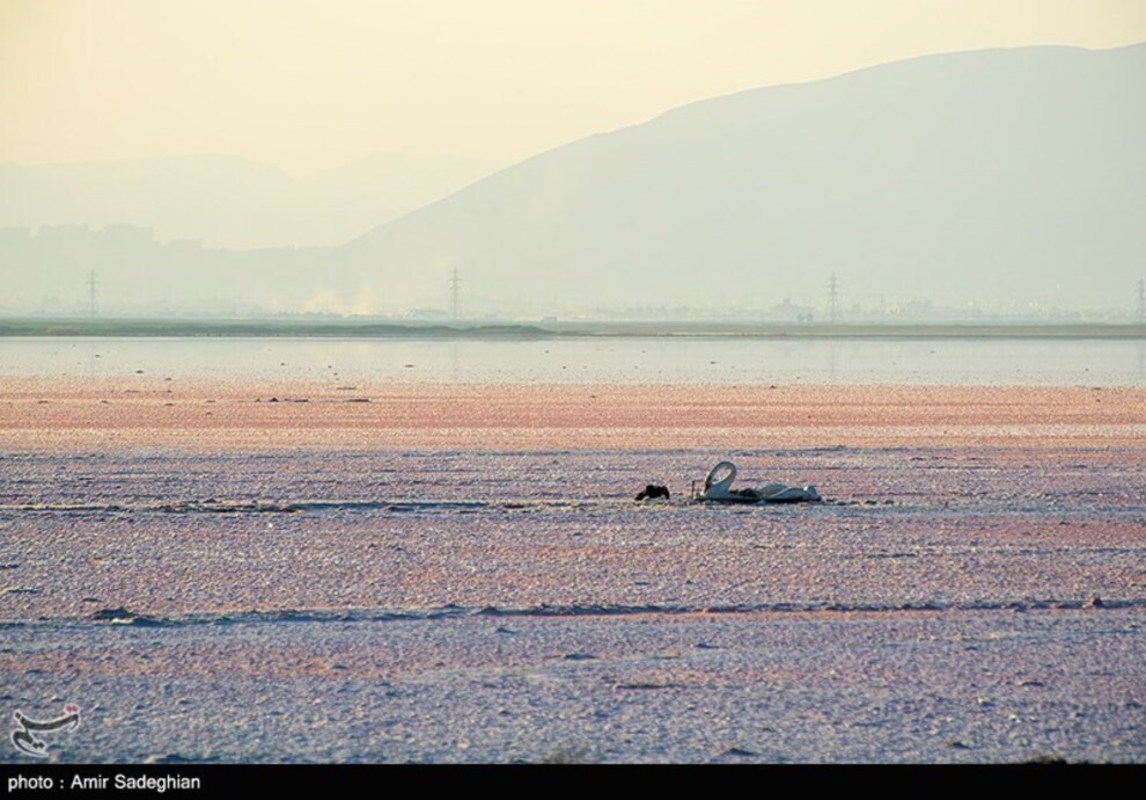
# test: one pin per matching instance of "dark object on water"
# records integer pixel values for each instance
(652, 492)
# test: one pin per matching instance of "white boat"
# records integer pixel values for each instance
(718, 489)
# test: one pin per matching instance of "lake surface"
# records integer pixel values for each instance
(625, 360)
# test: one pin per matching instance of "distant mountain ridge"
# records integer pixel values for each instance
(961, 177)
(227, 201)
(1000, 178)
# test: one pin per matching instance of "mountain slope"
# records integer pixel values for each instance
(1005, 176)
(1002, 179)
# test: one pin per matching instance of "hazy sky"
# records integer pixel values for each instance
(308, 85)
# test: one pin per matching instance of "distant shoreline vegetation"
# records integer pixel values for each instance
(263, 328)
(366, 329)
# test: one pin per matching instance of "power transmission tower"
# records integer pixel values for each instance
(92, 283)
(833, 299)
(455, 296)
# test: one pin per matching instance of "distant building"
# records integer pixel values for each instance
(64, 234)
(787, 311)
(11, 236)
(128, 235)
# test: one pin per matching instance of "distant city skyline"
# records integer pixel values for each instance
(309, 87)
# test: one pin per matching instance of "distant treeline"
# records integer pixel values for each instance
(256, 328)
(465, 330)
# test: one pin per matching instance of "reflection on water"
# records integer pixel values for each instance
(665, 360)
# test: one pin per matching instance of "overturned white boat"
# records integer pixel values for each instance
(718, 489)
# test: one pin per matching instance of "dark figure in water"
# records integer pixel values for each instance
(652, 492)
